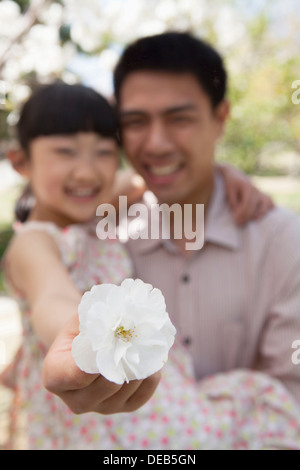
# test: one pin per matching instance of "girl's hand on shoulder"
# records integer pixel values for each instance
(84, 392)
(246, 201)
(128, 183)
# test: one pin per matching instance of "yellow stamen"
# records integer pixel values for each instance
(124, 335)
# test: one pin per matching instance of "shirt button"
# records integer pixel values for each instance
(185, 278)
(187, 341)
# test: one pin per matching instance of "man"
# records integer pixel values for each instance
(236, 301)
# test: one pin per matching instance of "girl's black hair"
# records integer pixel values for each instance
(65, 109)
(61, 109)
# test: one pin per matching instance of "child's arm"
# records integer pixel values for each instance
(35, 268)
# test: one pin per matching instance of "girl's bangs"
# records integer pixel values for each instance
(63, 109)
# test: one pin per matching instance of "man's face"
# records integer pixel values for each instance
(169, 133)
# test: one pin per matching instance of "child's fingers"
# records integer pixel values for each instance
(91, 398)
(265, 204)
(131, 396)
(233, 197)
(117, 402)
(60, 372)
(252, 206)
(105, 397)
(143, 393)
(244, 206)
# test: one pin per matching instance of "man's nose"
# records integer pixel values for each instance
(157, 140)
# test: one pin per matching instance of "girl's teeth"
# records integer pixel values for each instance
(164, 170)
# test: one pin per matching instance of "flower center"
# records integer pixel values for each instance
(124, 335)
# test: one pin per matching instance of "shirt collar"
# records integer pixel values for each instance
(219, 229)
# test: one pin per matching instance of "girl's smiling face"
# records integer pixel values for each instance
(71, 175)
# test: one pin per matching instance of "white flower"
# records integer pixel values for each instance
(125, 331)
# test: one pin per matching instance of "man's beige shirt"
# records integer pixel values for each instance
(235, 302)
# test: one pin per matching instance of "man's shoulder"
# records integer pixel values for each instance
(279, 218)
(278, 232)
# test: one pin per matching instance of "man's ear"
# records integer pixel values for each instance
(222, 112)
(18, 160)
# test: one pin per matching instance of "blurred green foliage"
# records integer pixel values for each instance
(262, 113)
(260, 92)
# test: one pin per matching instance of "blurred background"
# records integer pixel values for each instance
(81, 40)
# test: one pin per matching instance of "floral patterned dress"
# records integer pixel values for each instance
(236, 410)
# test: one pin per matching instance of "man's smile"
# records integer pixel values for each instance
(163, 170)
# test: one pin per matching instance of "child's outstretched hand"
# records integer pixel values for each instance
(84, 392)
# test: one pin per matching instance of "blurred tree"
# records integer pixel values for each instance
(23, 4)
(259, 39)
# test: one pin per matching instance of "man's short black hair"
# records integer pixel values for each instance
(175, 52)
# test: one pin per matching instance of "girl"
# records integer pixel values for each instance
(69, 154)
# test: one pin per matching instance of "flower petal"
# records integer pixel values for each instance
(96, 293)
(83, 354)
(151, 360)
(108, 368)
(126, 332)
(121, 348)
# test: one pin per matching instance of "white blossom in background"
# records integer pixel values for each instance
(101, 28)
(88, 25)
(228, 27)
(120, 20)
(97, 26)
(53, 14)
(36, 50)
(42, 51)
(125, 331)
(9, 15)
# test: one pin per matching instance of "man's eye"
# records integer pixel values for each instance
(65, 151)
(134, 123)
